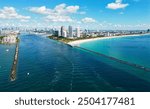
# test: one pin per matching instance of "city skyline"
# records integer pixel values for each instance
(110, 14)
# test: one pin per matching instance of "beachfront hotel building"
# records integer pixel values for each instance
(78, 32)
(70, 32)
(63, 31)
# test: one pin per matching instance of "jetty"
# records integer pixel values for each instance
(14, 65)
(118, 60)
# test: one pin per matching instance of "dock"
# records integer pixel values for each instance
(14, 65)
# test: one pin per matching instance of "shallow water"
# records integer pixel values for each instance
(131, 49)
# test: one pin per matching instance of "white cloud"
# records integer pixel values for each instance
(72, 9)
(24, 20)
(59, 9)
(40, 10)
(60, 13)
(58, 18)
(116, 5)
(10, 13)
(64, 9)
(88, 20)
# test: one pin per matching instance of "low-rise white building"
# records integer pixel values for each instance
(11, 38)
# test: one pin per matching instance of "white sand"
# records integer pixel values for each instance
(78, 42)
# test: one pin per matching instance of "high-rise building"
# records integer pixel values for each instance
(70, 30)
(78, 32)
(56, 33)
(59, 32)
(63, 31)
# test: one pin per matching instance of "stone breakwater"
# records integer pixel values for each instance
(14, 66)
(118, 60)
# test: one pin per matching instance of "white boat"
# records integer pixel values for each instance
(7, 50)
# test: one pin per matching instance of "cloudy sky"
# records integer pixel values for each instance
(91, 14)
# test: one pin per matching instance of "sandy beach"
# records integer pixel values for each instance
(78, 42)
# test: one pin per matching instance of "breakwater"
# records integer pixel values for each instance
(118, 60)
(14, 65)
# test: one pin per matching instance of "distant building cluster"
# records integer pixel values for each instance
(7, 36)
(77, 33)
(70, 33)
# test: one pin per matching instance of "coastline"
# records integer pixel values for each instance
(77, 42)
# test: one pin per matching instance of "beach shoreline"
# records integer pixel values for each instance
(78, 42)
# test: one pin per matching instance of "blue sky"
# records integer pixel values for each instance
(91, 14)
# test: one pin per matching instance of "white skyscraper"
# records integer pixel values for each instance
(63, 31)
(70, 31)
(77, 32)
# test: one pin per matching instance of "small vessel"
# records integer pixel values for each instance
(7, 50)
(28, 74)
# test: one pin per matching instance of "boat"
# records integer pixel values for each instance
(7, 50)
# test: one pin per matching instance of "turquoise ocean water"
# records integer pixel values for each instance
(54, 66)
(134, 49)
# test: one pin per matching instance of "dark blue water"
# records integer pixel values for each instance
(53, 66)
